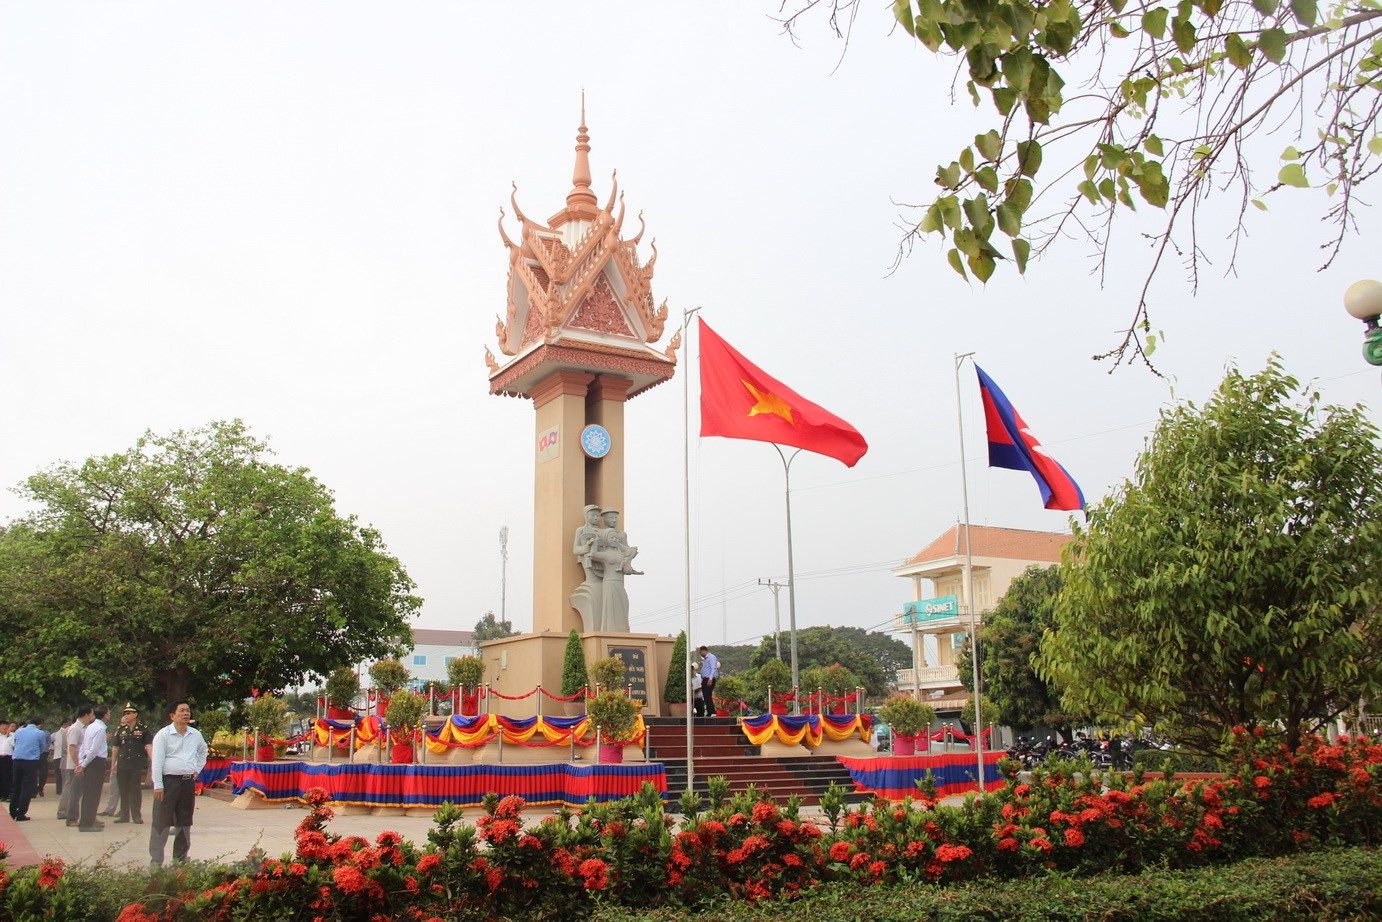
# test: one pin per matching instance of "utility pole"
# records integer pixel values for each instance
(777, 621)
(503, 573)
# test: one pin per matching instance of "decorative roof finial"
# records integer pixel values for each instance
(581, 200)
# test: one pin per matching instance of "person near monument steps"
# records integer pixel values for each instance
(710, 672)
(179, 755)
(133, 748)
(28, 750)
(70, 806)
(92, 759)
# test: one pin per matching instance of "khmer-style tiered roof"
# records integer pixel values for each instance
(577, 296)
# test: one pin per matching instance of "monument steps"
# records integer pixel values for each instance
(721, 749)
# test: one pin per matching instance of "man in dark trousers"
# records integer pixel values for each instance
(710, 673)
(179, 756)
(133, 747)
(28, 749)
(92, 759)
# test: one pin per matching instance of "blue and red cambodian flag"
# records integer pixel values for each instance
(1012, 445)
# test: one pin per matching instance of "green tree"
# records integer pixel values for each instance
(573, 670)
(491, 628)
(1008, 640)
(674, 691)
(825, 646)
(189, 565)
(1237, 579)
(1172, 99)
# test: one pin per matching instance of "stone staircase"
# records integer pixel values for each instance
(722, 749)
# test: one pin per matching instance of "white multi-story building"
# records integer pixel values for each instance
(431, 651)
(938, 615)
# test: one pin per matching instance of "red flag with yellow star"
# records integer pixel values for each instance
(741, 401)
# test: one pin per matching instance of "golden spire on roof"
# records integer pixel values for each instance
(581, 201)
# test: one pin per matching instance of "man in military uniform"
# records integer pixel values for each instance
(133, 744)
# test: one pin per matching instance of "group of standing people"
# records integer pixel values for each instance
(85, 752)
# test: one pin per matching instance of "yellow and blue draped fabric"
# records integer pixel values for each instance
(788, 730)
(337, 732)
(527, 731)
(839, 728)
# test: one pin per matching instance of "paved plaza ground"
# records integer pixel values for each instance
(222, 831)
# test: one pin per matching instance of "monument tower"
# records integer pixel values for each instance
(579, 339)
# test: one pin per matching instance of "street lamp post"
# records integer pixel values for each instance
(1363, 300)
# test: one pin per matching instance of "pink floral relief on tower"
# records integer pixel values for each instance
(600, 311)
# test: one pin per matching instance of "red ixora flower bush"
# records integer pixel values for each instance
(629, 852)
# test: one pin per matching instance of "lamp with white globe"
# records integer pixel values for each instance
(1363, 300)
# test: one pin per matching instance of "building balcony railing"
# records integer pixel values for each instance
(932, 677)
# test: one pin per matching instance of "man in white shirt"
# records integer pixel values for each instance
(71, 803)
(92, 759)
(179, 756)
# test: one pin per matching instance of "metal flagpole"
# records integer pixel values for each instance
(791, 577)
(969, 578)
(686, 512)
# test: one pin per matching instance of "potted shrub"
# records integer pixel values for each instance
(674, 693)
(342, 688)
(405, 717)
(835, 682)
(388, 676)
(777, 675)
(614, 715)
(907, 717)
(269, 715)
(608, 674)
(467, 673)
(729, 691)
(573, 672)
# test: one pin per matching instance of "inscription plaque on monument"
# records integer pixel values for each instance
(635, 670)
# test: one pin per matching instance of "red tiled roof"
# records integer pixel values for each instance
(986, 541)
(440, 638)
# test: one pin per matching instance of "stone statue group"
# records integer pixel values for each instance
(606, 557)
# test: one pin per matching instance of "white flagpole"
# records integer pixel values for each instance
(791, 577)
(969, 577)
(686, 512)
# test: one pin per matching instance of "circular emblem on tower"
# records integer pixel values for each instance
(595, 441)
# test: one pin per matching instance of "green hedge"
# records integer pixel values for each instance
(1329, 884)
(1152, 760)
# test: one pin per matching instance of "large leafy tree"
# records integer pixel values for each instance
(1172, 100)
(851, 647)
(491, 628)
(189, 565)
(1008, 640)
(1237, 579)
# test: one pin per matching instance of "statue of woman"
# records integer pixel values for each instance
(614, 553)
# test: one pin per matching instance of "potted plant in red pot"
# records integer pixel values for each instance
(614, 715)
(729, 691)
(388, 676)
(405, 713)
(342, 688)
(907, 717)
(774, 676)
(267, 714)
(467, 673)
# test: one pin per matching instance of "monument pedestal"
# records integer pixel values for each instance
(516, 665)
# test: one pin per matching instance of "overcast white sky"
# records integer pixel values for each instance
(286, 213)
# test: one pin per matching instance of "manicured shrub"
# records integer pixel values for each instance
(674, 692)
(906, 715)
(466, 672)
(608, 673)
(269, 715)
(614, 714)
(388, 675)
(342, 687)
(573, 670)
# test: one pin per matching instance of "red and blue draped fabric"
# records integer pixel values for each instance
(895, 777)
(953, 734)
(214, 772)
(1012, 445)
(365, 784)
